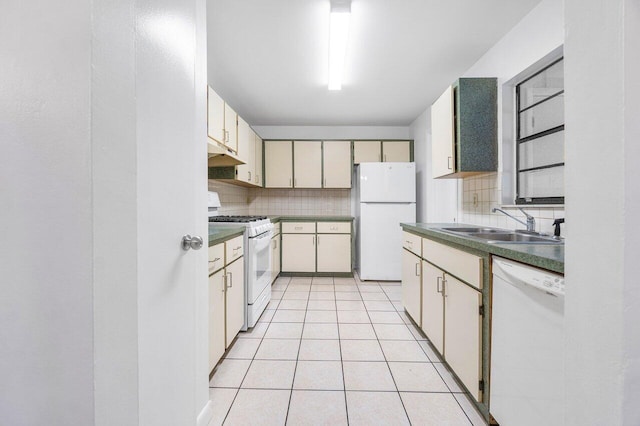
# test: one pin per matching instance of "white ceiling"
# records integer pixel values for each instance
(267, 58)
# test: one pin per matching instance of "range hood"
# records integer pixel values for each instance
(221, 156)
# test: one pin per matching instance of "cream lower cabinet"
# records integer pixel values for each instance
(433, 305)
(234, 305)
(226, 296)
(334, 252)
(462, 332)
(299, 252)
(217, 342)
(412, 285)
(327, 242)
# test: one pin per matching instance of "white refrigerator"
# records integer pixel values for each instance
(386, 196)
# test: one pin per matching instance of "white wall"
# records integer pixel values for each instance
(602, 308)
(333, 132)
(537, 35)
(46, 258)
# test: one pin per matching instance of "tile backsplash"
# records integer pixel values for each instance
(290, 202)
(480, 194)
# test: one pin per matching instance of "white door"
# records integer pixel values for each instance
(172, 356)
(336, 164)
(380, 241)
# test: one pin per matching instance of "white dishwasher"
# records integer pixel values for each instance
(527, 355)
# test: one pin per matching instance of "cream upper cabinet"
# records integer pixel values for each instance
(367, 152)
(462, 333)
(396, 151)
(334, 252)
(412, 286)
(336, 164)
(433, 305)
(307, 164)
(216, 317)
(246, 152)
(442, 139)
(464, 125)
(235, 299)
(278, 160)
(298, 252)
(231, 127)
(258, 160)
(215, 116)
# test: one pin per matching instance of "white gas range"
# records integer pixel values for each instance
(257, 265)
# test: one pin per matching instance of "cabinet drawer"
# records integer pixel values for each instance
(299, 228)
(334, 227)
(234, 249)
(412, 243)
(216, 257)
(463, 265)
(276, 228)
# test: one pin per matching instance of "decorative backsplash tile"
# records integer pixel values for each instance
(480, 194)
(290, 202)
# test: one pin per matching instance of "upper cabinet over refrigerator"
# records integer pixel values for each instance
(387, 182)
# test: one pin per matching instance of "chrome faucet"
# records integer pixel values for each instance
(531, 221)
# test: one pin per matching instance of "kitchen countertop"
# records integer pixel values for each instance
(219, 234)
(311, 218)
(545, 256)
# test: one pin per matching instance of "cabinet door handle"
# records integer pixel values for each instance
(230, 281)
(224, 283)
(449, 163)
(298, 228)
(214, 260)
(444, 287)
(417, 269)
(314, 240)
(249, 176)
(438, 288)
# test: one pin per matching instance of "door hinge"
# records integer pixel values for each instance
(481, 310)
(481, 385)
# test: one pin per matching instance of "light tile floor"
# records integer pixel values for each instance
(336, 351)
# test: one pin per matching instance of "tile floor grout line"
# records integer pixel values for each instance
(389, 368)
(247, 372)
(344, 383)
(295, 368)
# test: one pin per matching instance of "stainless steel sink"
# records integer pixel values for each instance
(496, 235)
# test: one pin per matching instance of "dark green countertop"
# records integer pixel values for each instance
(545, 256)
(218, 234)
(311, 218)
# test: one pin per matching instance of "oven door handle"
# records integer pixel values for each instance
(262, 241)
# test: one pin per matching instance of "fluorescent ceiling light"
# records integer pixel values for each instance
(338, 36)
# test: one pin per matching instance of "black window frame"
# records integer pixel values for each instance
(534, 200)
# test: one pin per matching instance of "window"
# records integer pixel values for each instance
(540, 137)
